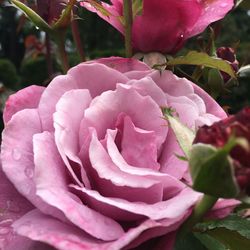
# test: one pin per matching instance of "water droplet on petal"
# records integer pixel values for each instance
(16, 154)
(29, 172)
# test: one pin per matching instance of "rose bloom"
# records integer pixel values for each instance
(164, 25)
(218, 135)
(92, 161)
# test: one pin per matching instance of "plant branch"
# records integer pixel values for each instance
(128, 18)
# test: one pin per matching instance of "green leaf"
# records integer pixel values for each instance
(211, 171)
(189, 242)
(215, 82)
(184, 135)
(137, 7)
(65, 17)
(230, 239)
(232, 222)
(203, 59)
(32, 15)
(210, 242)
(244, 71)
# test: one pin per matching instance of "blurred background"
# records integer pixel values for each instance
(24, 60)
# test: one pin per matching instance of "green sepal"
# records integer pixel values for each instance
(32, 15)
(212, 171)
(65, 17)
(184, 135)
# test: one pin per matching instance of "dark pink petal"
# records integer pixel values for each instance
(51, 187)
(124, 210)
(23, 99)
(163, 24)
(69, 113)
(113, 18)
(112, 182)
(212, 11)
(40, 227)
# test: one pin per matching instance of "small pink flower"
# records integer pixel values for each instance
(93, 161)
(218, 135)
(165, 25)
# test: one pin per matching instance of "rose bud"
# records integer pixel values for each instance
(218, 135)
(227, 53)
(164, 25)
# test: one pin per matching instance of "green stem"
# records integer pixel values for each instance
(201, 208)
(60, 41)
(128, 18)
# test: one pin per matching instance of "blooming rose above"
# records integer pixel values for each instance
(94, 161)
(166, 32)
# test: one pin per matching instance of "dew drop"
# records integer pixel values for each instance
(16, 154)
(29, 172)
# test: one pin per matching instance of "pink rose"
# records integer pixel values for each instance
(164, 25)
(94, 162)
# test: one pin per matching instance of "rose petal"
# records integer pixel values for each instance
(171, 186)
(53, 191)
(115, 183)
(74, 80)
(104, 110)
(23, 99)
(40, 227)
(67, 124)
(138, 146)
(124, 210)
(212, 11)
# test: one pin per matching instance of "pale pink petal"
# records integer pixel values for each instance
(17, 153)
(75, 80)
(212, 106)
(69, 113)
(212, 11)
(138, 146)
(12, 207)
(114, 183)
(23, 99)
(223, 208)
(124, 210)
(104, 110)
(124, 65)
(40, 227)
(171, 186)
(53, 191)
(148, 230)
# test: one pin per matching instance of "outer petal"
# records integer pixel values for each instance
(74, 80)
(23, 99)
(12, 207)
(212, 11)
(40, 227)
(51, 186)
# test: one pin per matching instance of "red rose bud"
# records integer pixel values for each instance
(218, 135)
(227, 53)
